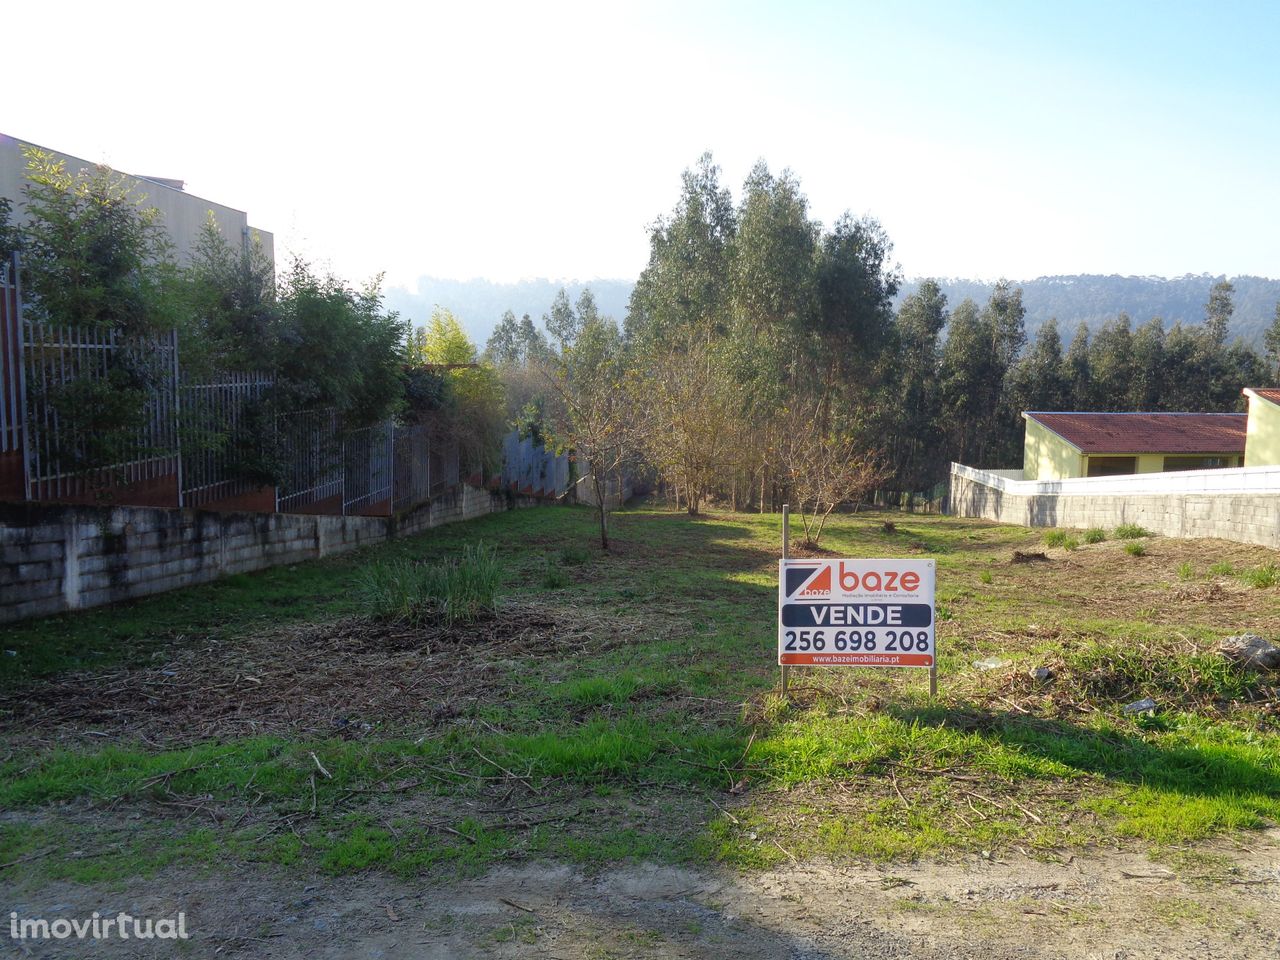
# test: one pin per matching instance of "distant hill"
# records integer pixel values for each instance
(479, 304)
(1093, 298)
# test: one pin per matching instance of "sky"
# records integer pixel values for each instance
(522, 140)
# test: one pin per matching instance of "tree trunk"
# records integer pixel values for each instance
(600, 505)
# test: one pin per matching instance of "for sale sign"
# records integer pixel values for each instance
(863, 613)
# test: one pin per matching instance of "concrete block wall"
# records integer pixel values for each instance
(1242, 517)
(59, 557)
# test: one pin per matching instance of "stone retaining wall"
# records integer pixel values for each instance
(1242, 517)
(58, 557)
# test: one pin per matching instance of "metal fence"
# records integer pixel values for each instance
(531, 468)
(64, 392)
(11, 373)
(71, 375)
(217, 426)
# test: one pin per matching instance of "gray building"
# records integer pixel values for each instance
(182, 214)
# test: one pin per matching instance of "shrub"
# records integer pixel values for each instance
(1135, 548)
(1131, 531)
(449, 592)
(1095, 535)
(1267, 575)
(573, 556)
(553, 578)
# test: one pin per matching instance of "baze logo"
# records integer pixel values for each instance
(811, 581)
(802, 579)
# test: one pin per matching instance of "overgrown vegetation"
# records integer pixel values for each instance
(448, 592)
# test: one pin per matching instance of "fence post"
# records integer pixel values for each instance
(21, 412)
(177, 412)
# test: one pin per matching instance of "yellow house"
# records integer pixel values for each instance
(1063, 445)
(1263, 448)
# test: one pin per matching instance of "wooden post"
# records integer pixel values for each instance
(786, 555)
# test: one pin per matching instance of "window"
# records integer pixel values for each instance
(1198, 463)
(1112, 466)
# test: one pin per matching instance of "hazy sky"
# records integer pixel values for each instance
(540, 139)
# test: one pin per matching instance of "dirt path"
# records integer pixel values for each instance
(1219, 901)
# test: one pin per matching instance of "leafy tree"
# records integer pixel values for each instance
(1217, 312)
(595, 416)
(504, 345)
(1271, 341)
(562, 322)
(474, 396)
(95, 255)
(686, 282)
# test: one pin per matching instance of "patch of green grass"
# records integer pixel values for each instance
(1056, 538)
(1186, 570)
(1266, 575)
(1131, 531)
(682, 704)
(589, 692)
(1135, 548)
(1095, 535)
(1223, 568)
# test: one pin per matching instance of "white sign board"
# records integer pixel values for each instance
(861, 613)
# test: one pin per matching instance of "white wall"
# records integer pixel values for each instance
(183, 214)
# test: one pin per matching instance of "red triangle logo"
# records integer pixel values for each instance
(819, 585)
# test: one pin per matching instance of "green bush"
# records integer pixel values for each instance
(449, 592)
(1131, 531)
(1135, 548)
(1267, 575)
(573, 557)
(1095, 535)
(553, 578)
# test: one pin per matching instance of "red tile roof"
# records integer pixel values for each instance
(1148, 432)
(1266, 393)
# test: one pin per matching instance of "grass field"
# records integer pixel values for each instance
(625, 706)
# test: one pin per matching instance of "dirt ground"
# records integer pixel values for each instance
(1099, 904)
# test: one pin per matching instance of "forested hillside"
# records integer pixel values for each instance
(1094, 299)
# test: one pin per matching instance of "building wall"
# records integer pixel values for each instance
(1245, 517)
(59, 557)
(1262, 436)
(1046, 456)
(183, 214)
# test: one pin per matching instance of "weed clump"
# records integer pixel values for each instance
(1055, 538)
(573, 557)
(1135, 548)
(1186, 571)
(450, 592)
(1267, 575)
(1222, 568)
(1095, 535)
(554, 578)
(1131, 531)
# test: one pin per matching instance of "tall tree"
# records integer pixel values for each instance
(1218, 311)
